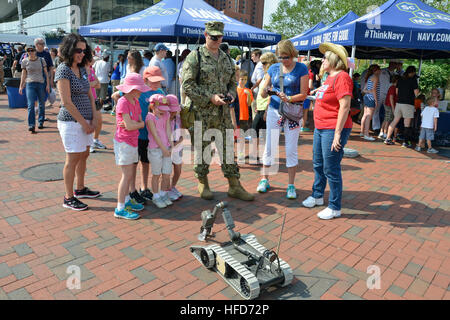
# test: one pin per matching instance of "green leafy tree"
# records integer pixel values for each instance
(234, 52)
(434, 75)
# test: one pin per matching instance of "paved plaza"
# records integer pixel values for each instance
(395, 218)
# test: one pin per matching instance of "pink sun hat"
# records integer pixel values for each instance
(153, 74)
(174, 105)
(160, 102)
(133, 81)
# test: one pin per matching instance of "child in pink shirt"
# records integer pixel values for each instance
(177, 151)
(128, 121)
(159, 146)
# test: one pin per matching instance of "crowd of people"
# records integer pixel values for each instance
(391, 94)
(247, 95)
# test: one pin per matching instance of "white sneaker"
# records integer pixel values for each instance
(172, 195)
(178, 193)
(166, 200)
(99, 145)
(418, 148)
(432, 150)
(157, 201)
(311, 202)
(290, 192)
(327, 214)
(91, 149)
(263, 186)
(381, 136)
(368, 138)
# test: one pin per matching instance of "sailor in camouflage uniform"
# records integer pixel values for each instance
(216, 80)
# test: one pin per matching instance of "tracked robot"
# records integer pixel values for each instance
(247, 266)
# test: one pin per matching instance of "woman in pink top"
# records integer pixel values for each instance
(95, 84)
(129, 121)
(159, 148)
(93, 81)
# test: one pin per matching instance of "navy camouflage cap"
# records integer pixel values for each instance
(214, 28)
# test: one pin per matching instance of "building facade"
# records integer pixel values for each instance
(67, 15)
(247, 11)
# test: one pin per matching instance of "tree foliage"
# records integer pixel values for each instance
(292, 17)
(434, 75)
(234, 52)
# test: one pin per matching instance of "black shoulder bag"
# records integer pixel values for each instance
(289, 110)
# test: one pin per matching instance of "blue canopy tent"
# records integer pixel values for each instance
(304, 41)
(298, 40)
(295, 39)
(178, 21)
(397, 29)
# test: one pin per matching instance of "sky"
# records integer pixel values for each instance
(269, 7)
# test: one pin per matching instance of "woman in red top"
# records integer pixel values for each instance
(333, 125)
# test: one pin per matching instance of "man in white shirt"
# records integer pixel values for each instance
(102, 69)
(258, 73)
(399, 70)
(170, 67)
(160, 54)
(257, 76)
(385, 83)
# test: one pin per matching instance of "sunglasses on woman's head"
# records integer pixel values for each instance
(78, 50)
(31, 50)
(283, 57)
(264, 63)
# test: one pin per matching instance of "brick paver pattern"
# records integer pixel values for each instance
(395, 215)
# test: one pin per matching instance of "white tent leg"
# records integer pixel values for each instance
(111, 47)
(309, 55)
(353, 57)
(177, 93)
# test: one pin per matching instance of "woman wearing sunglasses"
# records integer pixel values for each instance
(295, 91)
(35, 81)
(77, 117)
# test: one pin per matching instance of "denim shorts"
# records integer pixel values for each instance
(369, 101)
(426, 134)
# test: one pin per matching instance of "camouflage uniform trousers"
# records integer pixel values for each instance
(219, 119)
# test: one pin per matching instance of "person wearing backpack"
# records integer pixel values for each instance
(35, 79)
(210, 86)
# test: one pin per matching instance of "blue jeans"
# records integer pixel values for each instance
(35, 91)
(327, 165)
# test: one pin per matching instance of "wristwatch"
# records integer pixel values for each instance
(289, 98)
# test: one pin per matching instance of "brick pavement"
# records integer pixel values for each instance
(395, 216)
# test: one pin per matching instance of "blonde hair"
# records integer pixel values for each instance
(270, 58)
(321, 71)
(431, 101)
(286, 46)
(335, 62)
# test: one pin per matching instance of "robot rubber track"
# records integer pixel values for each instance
(246, 265)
